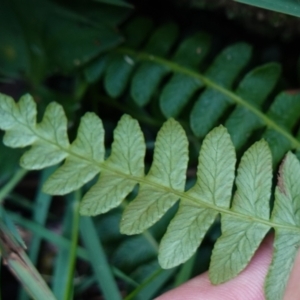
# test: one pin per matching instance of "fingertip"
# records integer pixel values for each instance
(248, 285)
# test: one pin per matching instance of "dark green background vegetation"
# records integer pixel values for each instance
(69, 52)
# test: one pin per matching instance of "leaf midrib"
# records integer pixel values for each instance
(173, 66)
(181, 195)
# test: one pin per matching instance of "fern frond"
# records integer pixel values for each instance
(244, 223)
(179, 76)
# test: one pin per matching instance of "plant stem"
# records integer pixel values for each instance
(10, 185)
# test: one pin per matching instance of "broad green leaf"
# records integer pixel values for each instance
(72, 45)
(214, 183)
(290, 7)
(286, 212)
(100, 13)
(255, 88)
(169, 171)
(241, 236)
(53, 37)
(211, 103)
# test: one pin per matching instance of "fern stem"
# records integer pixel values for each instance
(181, 195)
(9, 186)
(203, 79)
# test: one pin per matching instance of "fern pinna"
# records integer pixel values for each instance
(176, 70)
(245, 222)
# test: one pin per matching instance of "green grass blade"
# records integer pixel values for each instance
(62, 243)
(98, 260)
(185, 271)
(60, 276)
(151, 285)
(9, 186)
(289, 7)
(40, 213)
(74, 199)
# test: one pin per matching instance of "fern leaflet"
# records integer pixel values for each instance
(244, 223)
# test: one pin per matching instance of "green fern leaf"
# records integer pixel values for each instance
(242, 236)
(121, 67)
(185, 67)
(244, 223)
(48, 139)
(148, 75)
(147, 78)
(127, 158)
(255, 87)
(285, 112)
(287, 240)
(88, 144)
(168, 171)
(211, 103)
(181, 87)
(214, 183)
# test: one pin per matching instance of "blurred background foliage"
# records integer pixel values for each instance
(54, 50)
